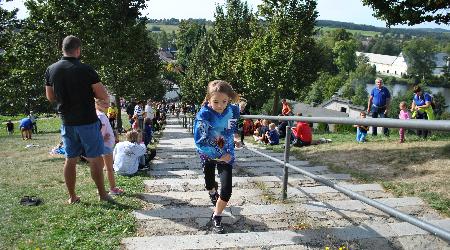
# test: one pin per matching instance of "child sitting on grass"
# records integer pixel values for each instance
(272, 135)
(127, 154)
(361, 131)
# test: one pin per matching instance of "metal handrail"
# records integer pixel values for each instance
(386, 122)
(443, 125)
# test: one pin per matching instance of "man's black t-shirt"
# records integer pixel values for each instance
(72, 84)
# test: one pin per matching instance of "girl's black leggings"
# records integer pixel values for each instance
(225, 173)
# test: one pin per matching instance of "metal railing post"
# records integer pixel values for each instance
(287, 147)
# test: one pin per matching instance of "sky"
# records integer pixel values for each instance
(336, 10)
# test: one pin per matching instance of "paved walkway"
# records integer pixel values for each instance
(176, 215)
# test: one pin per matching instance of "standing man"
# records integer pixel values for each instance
(378, 103)
(73, 86)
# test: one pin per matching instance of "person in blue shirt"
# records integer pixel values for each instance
(378, 104)
(25, 128)
(272, 135)
(215, 135)
(421, 108)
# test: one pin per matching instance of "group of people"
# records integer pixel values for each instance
(379, 103)
(27, 126)
(88, 123)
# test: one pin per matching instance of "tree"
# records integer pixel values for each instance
(115, 42)
(419, 54)
(189, 35)
(345, 55)
(285, 57)
(410, 12)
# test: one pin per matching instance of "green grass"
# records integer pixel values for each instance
(166, 28)
(436, 201)
(55, 225)
(362, 32)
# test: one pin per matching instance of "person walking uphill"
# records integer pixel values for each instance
(378, 103)
(73, 86)
(215, 135)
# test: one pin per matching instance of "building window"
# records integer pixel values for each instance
(395, 72)
(343, 110)
(387, 71)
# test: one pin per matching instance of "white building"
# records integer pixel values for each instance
(387, 65)
(398, 66)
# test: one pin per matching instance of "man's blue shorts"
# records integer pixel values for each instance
(87, 137)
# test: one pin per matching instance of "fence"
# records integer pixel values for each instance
(381, 122)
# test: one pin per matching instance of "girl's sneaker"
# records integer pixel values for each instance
(115, 191)
(217, 226)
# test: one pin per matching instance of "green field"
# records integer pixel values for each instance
(362, 32)
(166, 28)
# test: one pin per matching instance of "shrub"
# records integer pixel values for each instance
(344, 128)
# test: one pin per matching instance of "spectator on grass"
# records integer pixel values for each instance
(422, 109)
(272, 135)
(26, 125)
(361, 130)
(109, 141)
(112, 113)
(33, 122)
(302, 134)
(73, 86)
(127, 154)
(10, 127)
(378, 104)
(139, 113)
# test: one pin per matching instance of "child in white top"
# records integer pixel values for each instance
(109, 140)
(128, 153)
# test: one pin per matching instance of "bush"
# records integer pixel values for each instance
(322, 128)
(344, 128)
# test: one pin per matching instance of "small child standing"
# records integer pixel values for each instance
(404, 115)
(109, 140)
(272, 135)
(10, 127)
(215, 135)
(361, 131)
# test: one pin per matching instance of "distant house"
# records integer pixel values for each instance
(398, 66)
(165, 56)
(387, 65)
(344, 106)
(310, 111)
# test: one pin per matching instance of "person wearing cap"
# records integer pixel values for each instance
(378, 104)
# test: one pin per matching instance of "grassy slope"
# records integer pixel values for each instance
(415, 168)
(55, 225)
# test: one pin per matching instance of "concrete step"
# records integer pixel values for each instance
(238, 160)
(253, 169)
(372, 235)
(267, 165)
(198, 184)
(188, 219)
